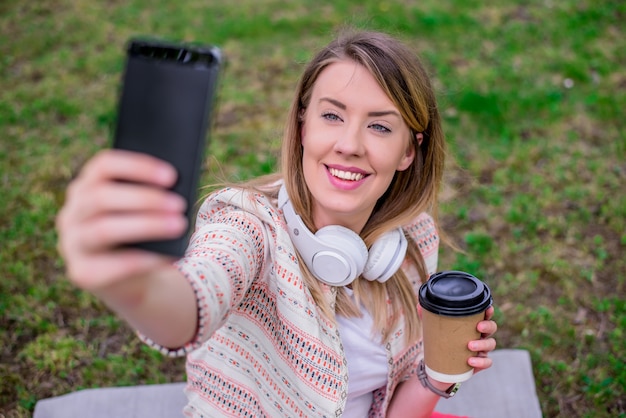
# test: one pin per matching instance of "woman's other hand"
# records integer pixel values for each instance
(485, 344)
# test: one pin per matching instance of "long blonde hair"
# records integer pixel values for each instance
(400, 74)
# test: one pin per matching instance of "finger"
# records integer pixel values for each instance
(104, 269)
(110, 197)
(480, 363)
(482, 346)
(489, 312)
(487, 328)
(111, 231)
(129, 166)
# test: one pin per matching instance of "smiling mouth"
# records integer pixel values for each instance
(345, 175)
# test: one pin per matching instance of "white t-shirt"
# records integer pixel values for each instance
(367, 362)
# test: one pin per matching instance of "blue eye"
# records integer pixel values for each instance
(380, 128)
(333, 117)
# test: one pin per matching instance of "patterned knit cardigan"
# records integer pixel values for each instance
(262, 349)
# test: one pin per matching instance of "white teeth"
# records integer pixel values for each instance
(346, 175)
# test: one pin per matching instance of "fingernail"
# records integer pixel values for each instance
(177, 224)
(167, 174)
(176, 202)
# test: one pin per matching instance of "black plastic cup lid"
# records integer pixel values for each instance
(454, 293)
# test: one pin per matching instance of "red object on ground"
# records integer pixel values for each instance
(440, 415)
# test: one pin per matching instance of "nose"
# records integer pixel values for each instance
(350, 141)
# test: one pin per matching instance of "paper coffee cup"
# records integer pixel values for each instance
(453, 302)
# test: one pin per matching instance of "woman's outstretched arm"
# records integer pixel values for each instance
(121, 197)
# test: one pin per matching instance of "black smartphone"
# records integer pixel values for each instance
(165, 106)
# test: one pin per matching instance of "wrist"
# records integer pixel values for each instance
(124, 295)
(443, 386)
(131, 294)
(445, 390)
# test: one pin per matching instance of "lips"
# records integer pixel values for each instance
(345, 175)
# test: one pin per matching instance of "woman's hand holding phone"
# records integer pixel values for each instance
(119, 197)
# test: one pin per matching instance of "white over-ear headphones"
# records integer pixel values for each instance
(337, 255)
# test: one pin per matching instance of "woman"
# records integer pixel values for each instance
(289, 300)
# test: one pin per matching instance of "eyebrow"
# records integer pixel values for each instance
(374, 114)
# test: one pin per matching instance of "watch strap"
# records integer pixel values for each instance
(423, 377)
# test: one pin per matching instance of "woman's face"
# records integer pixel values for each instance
(354, 140)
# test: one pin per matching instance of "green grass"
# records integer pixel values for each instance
(533, 96)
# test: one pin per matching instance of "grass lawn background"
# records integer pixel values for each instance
(532, 94)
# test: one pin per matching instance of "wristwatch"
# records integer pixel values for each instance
(421, 375)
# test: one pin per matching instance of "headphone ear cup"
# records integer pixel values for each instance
(348, 246)
(385, 256)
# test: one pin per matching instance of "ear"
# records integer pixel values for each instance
(409, 156)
